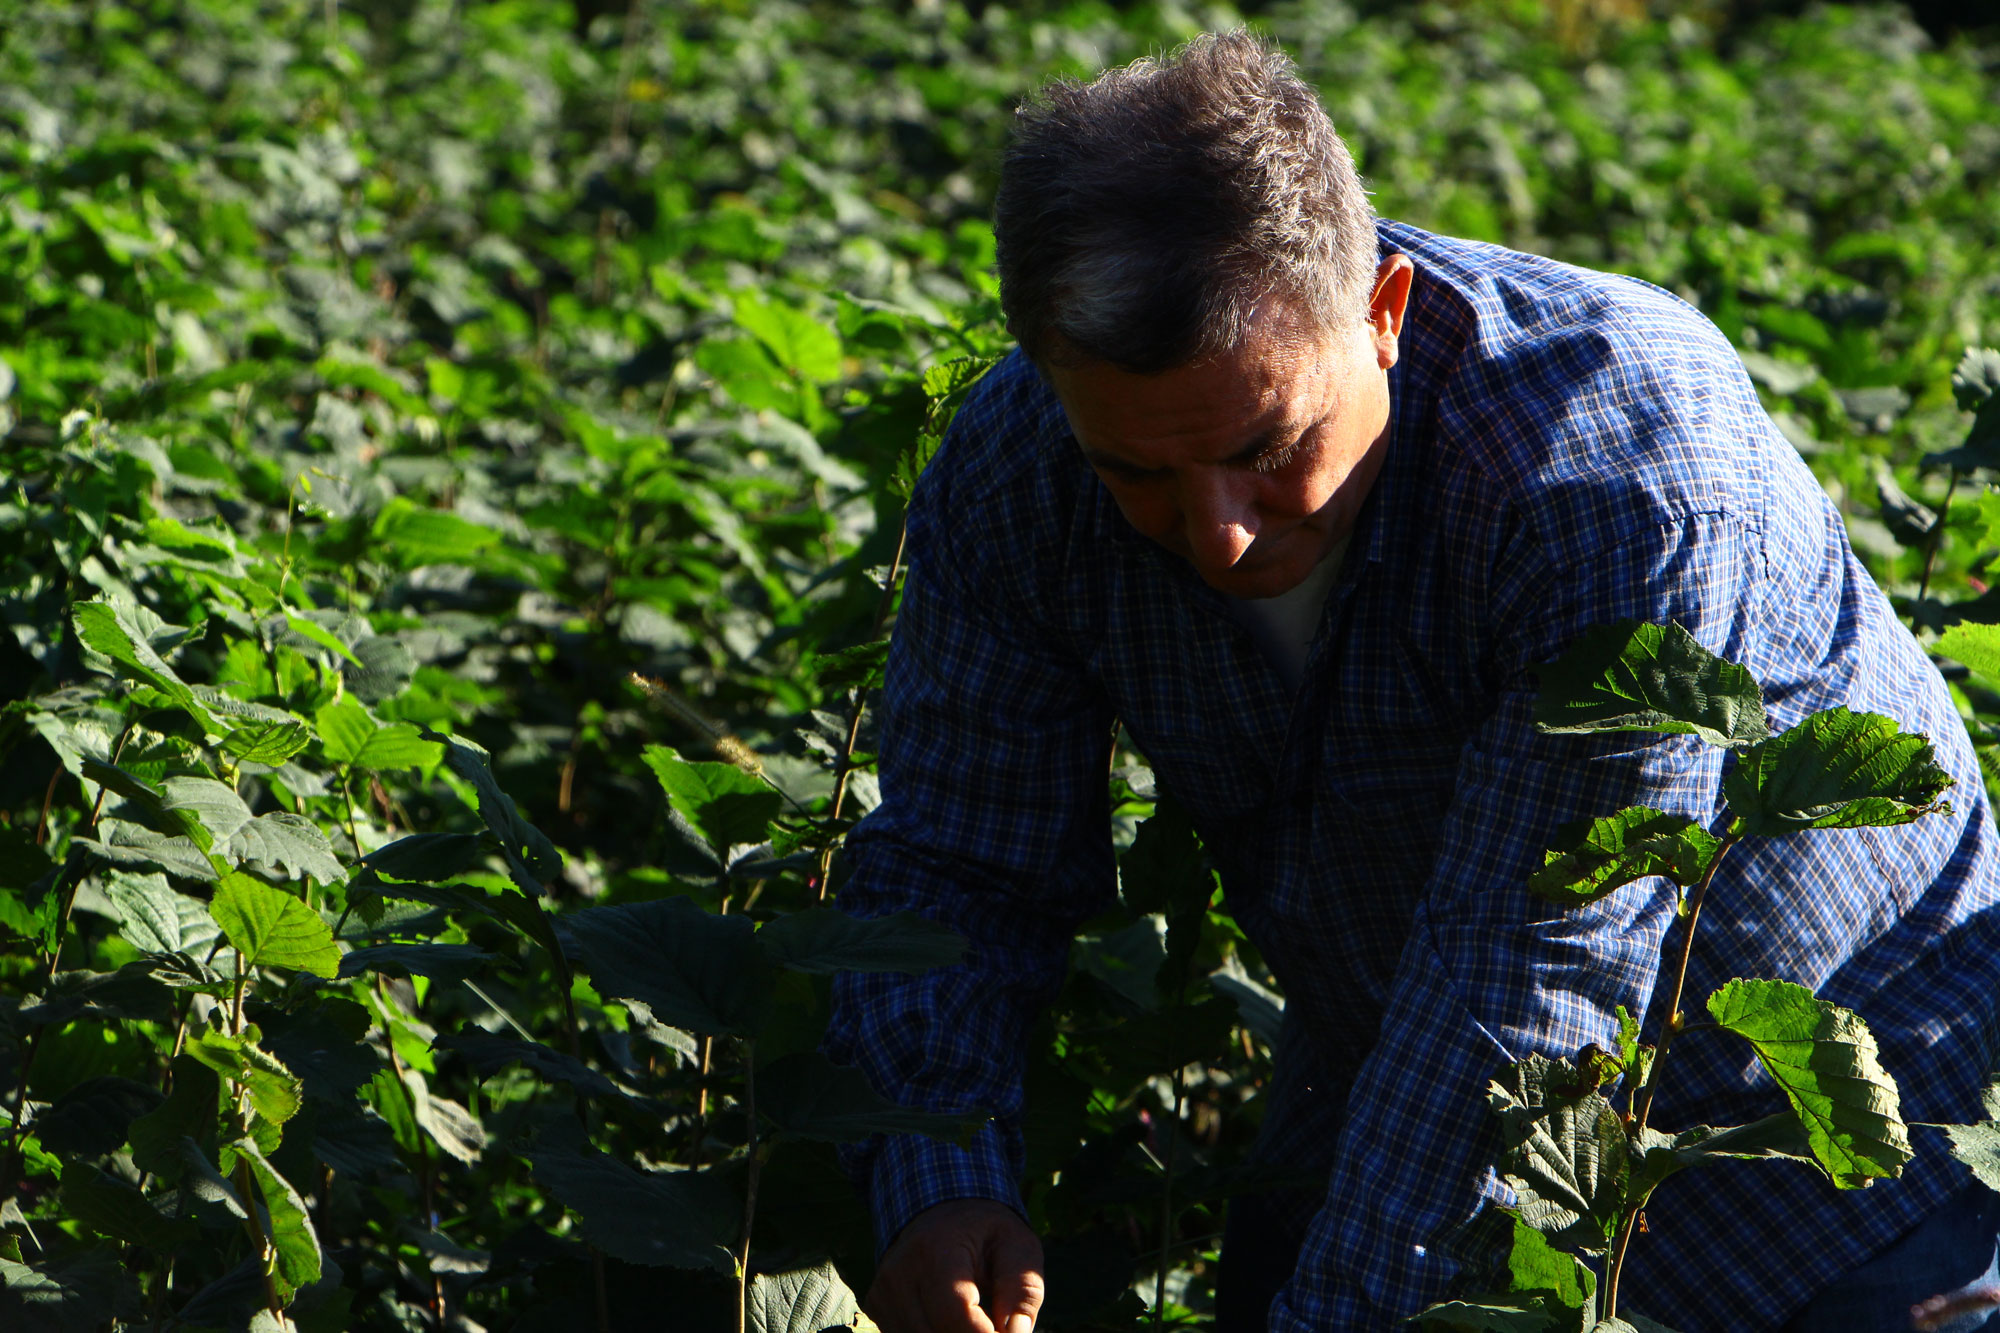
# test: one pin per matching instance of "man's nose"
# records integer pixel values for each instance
(1220, 514)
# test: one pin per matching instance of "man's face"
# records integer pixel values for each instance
(1252, 465)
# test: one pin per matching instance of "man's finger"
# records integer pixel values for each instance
(953, 1307)
(1015, 1281)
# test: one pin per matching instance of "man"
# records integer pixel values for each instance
(1302, 499)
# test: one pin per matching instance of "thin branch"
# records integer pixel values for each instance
(882, 609)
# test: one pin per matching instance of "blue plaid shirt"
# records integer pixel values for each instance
(1567, 448)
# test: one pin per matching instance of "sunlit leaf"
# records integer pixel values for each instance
(274, 1092)
(726, 805)
(270, 928)
(1836, 769)
(1825, 1059)
(801, 1300)
(288, 1227)
(106, 629)
(1564, 1154)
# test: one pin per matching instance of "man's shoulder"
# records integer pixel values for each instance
(1593, 403)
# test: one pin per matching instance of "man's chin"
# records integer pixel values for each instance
(1273, 579)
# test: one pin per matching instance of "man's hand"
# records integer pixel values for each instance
(951, 1260)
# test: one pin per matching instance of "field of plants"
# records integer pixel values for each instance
(452, 464)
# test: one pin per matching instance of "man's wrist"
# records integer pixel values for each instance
(913, 1173)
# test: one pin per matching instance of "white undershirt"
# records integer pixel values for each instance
(1284, 626)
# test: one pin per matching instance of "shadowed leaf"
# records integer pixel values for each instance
(826, 940)
(807, 1096)
(1631, 676)
(727, 806)
(671, 1219)
(1592, 857)
(697, 971)
(803, 1300)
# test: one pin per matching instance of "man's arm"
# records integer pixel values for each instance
(994, 822)
(1490, 974)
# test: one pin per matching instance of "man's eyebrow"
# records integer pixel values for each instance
(1098, 458)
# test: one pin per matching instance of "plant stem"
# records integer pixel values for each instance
(246, 1185)
(1931, 554)
(1173, 1128)
(1673, 1028)
(749, 1183)
(860, 705)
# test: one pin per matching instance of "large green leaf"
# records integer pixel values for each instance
(109, 630)
(672, 1219)
(727, 806)
(695, 970)
(1165, 870)
(412, 536)
(1632, 676)
(128, 844)
(803, 1300)
(1836, 769)
(1825, 1059)
(270, 928)
(488, 1055)
(93, 1117)
(826, 939)
(189, 1112)
(351, 736)
(807, 1096)
(286, 1224)
(267, 742)
(1591, 857)
(1565, 1154)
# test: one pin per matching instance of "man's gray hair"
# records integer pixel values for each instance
(1144, 216)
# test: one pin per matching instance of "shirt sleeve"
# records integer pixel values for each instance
(993, 821)
(1489, 974)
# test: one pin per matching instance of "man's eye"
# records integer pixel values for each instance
(1272, 460)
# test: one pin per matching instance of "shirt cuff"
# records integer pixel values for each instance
(913, 1172)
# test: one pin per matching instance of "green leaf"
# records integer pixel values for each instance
(317, 633)
(804, 346)
(288, 845)
(274, 1092)
(961, 372)
(1485, 1317)
(826, 940)
(1566, 1155)
(123, 843)
(748, 374)
(488, 1055)
(1825, 1059)
(430, 858)
(113, 1208)
(210, 811)
(1836, 769)
(807, 1096)
(672, 1219)
(1631, 676)
(450, 1125)
(270, 928)
(1976, 380)
(697, 971)
(1978, 1146)
(1779, 1137)
(1592, 857)
(84, 1289)
(1978, 646)
(94, 1116)
(189, 1112)
(412, 536)
(1163, 1041)
(802, 1300)
(727, 806)
(153, 918)
(107, 629)
(449, 963)
(351, 736)
(269, 743)
(287, 1226)
(1533, 1265)
(532, 859)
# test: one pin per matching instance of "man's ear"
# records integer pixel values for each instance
(1385, 307)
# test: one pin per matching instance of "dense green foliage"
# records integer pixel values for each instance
(383, 387)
